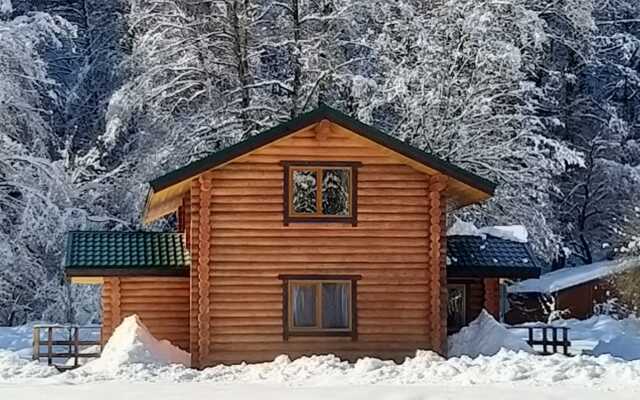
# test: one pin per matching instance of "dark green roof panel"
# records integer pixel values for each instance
(90, 250)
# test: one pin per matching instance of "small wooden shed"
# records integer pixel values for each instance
(321, 235)
(576, 292)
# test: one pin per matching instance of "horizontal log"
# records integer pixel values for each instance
(250, 322)
(366, 225)
(274, 159)
(312, 142)
(248, 305)
(246, 191)
(160, 292)
(346, 258)
(321, 150)
(247, 183)
(354, 250)
(288, 266)
(380, 200)
(320, 242)
(139, 307)
(165, 314)
(250, 217)
(250, 207)
(247, 314)
(322, 345)
(158, 299)
(292, 232)
(373, 275)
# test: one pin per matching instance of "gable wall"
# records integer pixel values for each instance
(242, 247)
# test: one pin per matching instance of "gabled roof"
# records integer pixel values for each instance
(306, 120)
(489, 257)
(90, 253)
(569, 277)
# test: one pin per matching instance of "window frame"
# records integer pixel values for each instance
(462, 286)
(287, 317)
(289, 216)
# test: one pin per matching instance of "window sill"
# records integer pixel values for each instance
(321, 220)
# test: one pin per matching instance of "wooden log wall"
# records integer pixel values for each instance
(400, 307)
(492, 297)
(161, 302)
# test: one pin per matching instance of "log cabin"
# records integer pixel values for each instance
(320, 235)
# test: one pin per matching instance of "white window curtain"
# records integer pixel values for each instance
(304, 306)
(335, 307)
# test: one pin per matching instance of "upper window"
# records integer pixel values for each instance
(320, 192)
(319, 305)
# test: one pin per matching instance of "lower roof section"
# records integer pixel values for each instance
(105, 254)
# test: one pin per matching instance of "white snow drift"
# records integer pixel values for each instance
(485, 336)
(132, 343)
(515, 233)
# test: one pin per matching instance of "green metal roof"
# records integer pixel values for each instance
(91, 253)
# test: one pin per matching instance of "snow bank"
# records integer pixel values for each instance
(14, 368)
(132, 343)
(426, 368)
(626, 347)
(569, 277)
(515, 233)
(485, 336)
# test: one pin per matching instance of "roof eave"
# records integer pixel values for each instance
(493, 272)
(131, 271)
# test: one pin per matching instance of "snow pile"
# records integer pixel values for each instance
(485, 336)
(132, 343)
(569, 277)
(14, 368)
(514, 233)
(626, 347)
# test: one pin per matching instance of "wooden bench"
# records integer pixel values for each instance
(71, 342)
(554, 342)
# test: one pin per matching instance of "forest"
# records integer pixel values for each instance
(99, 96)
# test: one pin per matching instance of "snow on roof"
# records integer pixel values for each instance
(515, 233)
(569, 277)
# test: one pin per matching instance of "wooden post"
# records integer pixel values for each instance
(437, 253)
(554, 332)
(565, 341)
(76, 341)
(203, 270)
(115, 303)
(49, 345)
(544, 340)
(530, 336)
(35, 352)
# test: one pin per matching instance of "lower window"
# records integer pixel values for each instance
(316, 305)
(456, 307)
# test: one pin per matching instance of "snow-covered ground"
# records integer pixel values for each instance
(137, 366)
(585, 335)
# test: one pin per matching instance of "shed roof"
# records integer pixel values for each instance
(91, 253)
(566, 278)
(161, 200)
(489, 256)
